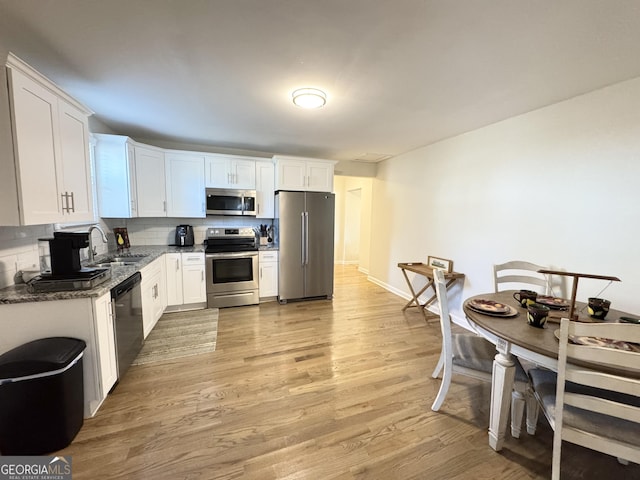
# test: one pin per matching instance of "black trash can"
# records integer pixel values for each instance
(41, 396)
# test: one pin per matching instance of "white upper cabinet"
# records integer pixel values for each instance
(47, 179)
(150, 182)
(76, 170)
(265, 189)
(228, 171)
(115, 176)
(185, 184)
(304, 174)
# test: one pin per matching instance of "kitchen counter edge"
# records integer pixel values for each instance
(19, 293)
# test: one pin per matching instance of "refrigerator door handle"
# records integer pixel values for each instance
(303, 237)
(306, 238)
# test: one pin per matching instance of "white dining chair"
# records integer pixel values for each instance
(591, 406)
(471, 355)
(518, 274)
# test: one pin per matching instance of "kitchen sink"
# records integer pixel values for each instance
(119, 261)
(112, 264)
(126, 259)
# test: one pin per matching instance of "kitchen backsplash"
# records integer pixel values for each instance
(19, 250)
(161, 231)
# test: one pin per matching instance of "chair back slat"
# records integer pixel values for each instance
(626, 332)
(603, 406)
(519, 274)
(604, 355)
(602, 380)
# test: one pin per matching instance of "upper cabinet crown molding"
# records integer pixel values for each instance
(20, 65)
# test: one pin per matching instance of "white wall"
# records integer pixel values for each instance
(559, 186)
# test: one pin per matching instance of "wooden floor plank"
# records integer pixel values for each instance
(325, 389)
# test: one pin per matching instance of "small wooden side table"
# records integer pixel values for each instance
(427, 272)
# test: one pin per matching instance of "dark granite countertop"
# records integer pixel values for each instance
(19, 293)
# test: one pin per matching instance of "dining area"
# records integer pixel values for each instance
(572, 364)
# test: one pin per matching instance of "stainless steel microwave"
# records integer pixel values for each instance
(221, 201)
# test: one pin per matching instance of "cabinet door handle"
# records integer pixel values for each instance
(177, 264)
(164, 206)
(73, 203)
(202, 276)
(65, 202)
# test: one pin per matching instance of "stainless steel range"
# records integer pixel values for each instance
(232, 267)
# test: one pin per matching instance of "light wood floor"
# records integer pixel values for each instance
(323, 389)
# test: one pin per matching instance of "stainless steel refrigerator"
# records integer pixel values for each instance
(305, 226)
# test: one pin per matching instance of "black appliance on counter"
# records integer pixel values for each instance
(232, 273)
(67, 272)
(184, 236)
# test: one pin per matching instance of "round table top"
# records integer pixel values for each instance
(517, 331)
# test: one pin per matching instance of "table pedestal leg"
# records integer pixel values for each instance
(501, 387)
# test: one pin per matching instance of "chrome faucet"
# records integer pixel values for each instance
(92, 251)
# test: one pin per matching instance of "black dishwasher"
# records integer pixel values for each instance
(126, 298)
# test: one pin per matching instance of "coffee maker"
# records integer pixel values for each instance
(184, 236)
(64, 251)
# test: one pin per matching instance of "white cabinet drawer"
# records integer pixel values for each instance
(268, 256)
(196, 258)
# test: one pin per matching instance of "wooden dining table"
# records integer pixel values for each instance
(513, 336)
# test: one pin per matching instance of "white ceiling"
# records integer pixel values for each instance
(399, 74)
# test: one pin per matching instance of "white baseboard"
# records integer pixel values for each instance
(458, 317)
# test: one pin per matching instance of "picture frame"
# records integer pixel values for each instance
(440, 263)
(122, 238)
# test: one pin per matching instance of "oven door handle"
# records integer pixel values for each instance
(232, 255)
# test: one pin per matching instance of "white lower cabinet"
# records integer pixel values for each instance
(87, 319)
(186, 288)
(106, 344)
(268, 264)
(193, 281)
(153, 294)
(174, 278)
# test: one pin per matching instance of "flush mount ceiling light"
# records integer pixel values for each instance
(309, 98)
